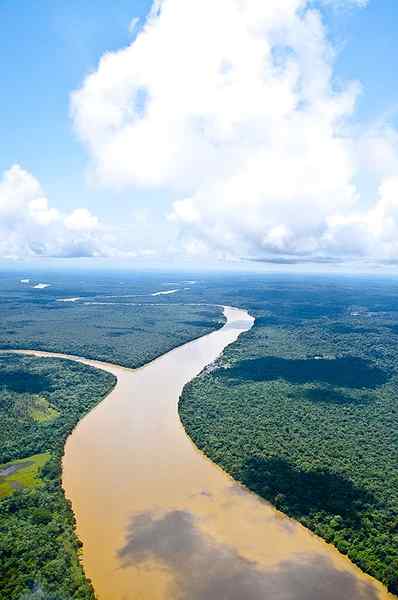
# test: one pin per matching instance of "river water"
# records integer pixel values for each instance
(159, 521)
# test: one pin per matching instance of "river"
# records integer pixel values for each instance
(159, 521)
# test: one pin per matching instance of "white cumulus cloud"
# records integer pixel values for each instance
(81, 219)
(30, 227)
(232, 109)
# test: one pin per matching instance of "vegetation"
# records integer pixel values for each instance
(303, 410)
(113, 321)
(41, 400)
(21, 474)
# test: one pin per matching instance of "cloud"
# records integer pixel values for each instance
(374, 232)
(133, 25)
(202, 567)
(231, 109)
(81, 220)
(29, 227)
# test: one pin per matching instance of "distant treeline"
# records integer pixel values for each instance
(116, 326)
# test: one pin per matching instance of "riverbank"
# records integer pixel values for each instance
(308, 422)
(158, 520)
(38, 544)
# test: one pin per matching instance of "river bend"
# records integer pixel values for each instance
(159, 521)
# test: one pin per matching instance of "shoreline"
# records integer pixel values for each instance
(111, 367)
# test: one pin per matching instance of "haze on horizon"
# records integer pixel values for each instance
(238, 133)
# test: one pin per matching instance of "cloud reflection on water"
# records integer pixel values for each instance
(205, 569)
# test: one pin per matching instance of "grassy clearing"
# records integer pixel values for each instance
(22, 473)
(42, 411)
(38, 545)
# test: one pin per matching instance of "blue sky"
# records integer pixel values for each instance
(48, 48)
(368, 49)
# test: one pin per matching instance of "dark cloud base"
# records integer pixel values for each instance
(207, 570)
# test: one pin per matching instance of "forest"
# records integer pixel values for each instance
(112, 320)
(303, 410)
(41, 400)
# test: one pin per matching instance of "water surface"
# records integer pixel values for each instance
(159, 521)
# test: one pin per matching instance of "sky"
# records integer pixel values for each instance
(176, 132)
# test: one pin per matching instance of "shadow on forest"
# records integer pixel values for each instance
(116, 334)
(301, 493)
(24, 382)
(330, 396)
(349, 371)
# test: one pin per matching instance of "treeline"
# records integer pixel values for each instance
(124, 334)
(39, 550)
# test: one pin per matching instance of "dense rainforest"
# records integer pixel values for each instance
(104, 319)
(303, 409)
(41, 400)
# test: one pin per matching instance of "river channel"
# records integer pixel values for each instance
(159, 521)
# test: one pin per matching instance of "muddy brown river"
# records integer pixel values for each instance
(159, 521)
